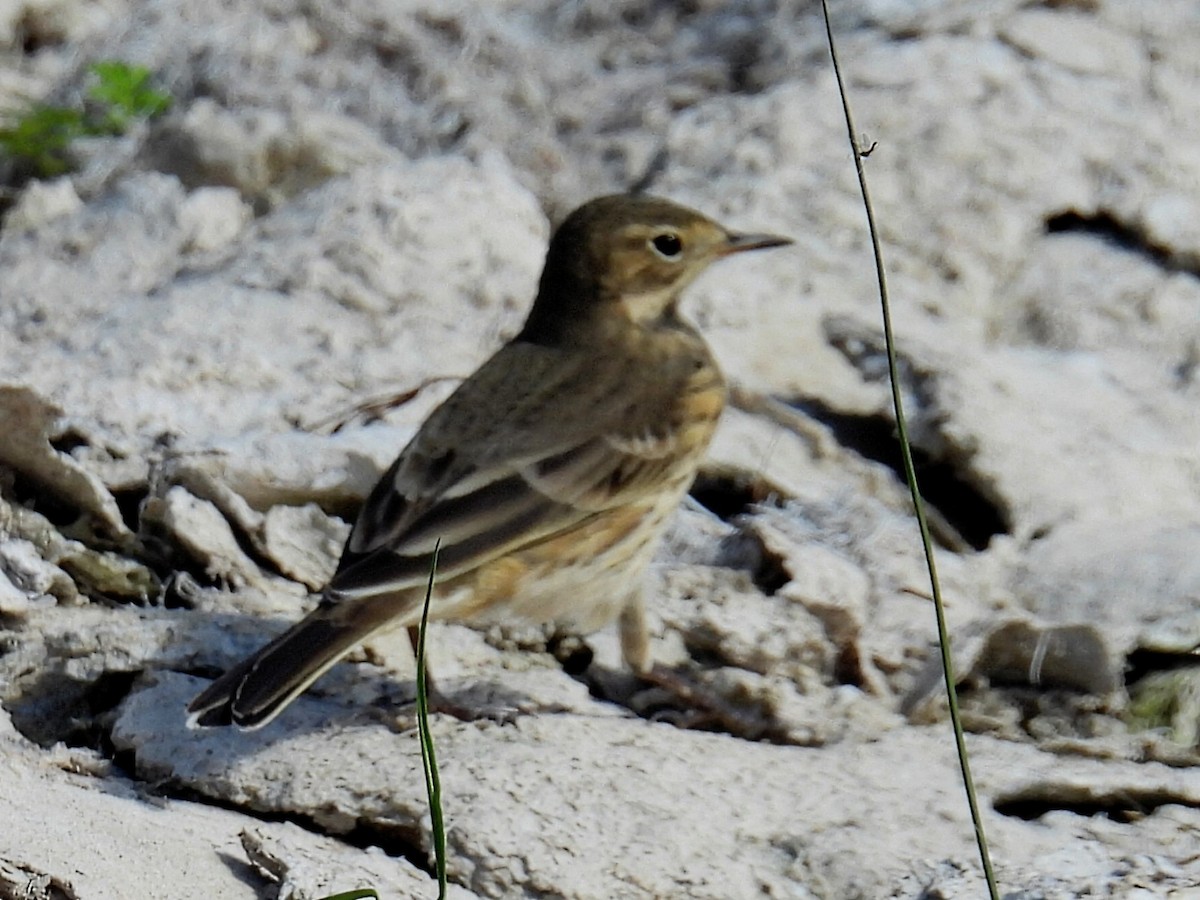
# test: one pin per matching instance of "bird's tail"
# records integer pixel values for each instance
(257, 689)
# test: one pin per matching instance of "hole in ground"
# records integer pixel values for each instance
(69, 440)
(129, 502)
(727, 494)
(59, 709)
(571, 652)
(944, 487)
(1104, 225)
(31, 495)
(1124, 806)
(1142, 662)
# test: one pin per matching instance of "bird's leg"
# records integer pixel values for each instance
(635, 637)
(705, 707)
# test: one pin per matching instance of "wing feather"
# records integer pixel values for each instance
(485, 477)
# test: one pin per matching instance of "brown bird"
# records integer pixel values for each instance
(548, 475)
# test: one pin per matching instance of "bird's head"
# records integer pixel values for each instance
(629, 256)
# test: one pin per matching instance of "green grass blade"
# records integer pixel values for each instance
(433, 783)
(911, 475)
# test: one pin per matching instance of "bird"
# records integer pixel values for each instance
(547, 477)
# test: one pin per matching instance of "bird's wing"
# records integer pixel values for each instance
(530, 446)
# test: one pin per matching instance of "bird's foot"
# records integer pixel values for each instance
(688, 703)
(471, 705)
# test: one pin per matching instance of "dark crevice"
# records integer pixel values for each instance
(1141, 663)
(162, 555)
(129, 502)
(106, 692)
(399, 841)
(573, 654)
(68, 441)
(1126, 806)
(1104, 225)
(65, 513)
(59, 709)
(730, 494)
(969, 514)
(34, 496)
(31, 43)
(33, 33)
(771, 573)
(848, 666)
(705, 653)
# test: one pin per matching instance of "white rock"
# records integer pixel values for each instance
(42, 202)
(213, 218)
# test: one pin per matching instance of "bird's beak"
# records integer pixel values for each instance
(739, 243)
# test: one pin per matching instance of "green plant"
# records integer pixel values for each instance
(125, 93)
(433, 781)
(39, 139)
(910, 472)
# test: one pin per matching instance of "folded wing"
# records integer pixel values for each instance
(487, 485)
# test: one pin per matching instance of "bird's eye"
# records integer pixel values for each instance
(667, 245)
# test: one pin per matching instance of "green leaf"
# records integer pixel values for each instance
(40, 138)
(124, 93)
(127, 91)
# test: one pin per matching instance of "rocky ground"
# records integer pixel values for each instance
(218, 328)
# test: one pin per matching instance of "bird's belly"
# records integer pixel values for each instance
(580, 579)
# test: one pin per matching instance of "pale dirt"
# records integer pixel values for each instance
(351, 201)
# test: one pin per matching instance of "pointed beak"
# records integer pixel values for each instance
(739, 243)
